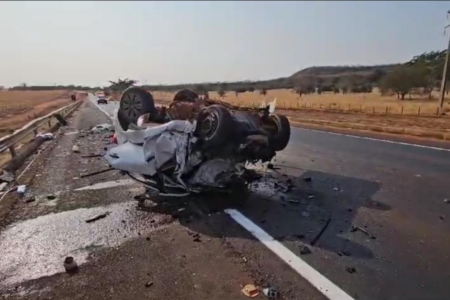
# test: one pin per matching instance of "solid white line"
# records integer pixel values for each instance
(378, 140)
(107, 184)
(320, 282)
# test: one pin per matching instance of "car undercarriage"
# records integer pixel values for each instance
(195, 144)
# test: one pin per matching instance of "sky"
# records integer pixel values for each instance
(89, 43)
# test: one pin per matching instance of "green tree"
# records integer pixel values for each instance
(400, 81)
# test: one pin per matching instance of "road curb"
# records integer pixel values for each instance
(375, 128)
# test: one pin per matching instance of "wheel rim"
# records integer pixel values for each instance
(209, 125)
(132, 106)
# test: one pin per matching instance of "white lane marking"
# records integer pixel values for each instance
(107, 184)
(378, 140)
(320, 282)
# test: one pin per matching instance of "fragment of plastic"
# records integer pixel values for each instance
(250, 291)
(21, 189)
(46, 136)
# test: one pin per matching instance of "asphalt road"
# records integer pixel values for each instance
(379, 204)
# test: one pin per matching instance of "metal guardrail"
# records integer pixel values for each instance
(10, 141)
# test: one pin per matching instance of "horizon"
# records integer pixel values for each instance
(195, 42)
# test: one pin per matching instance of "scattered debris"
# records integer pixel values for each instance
(442, 217)
(356, 228)
(3, 186)
(98, 217)
(7, 176)
(75, 149)
(305, 250)
(446, 201)
(314, 241)
(96, 173)
(140, 197)
(336, 189)
(181, 209)
(51, 197)
(271, 293)
(351, 270)
(299, 236)
(148, 284)
(30, 199)
(307, 179)
(92, 155)
(349, 209)
(311, 197)
(46, 136)
(270, 166)
(293, 201)
(418, 175)
(244, 259)
(250, 290)
(70, 264)
(21, 189)
(344, 253)
(102, 128)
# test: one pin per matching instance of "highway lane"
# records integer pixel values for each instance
(393, 192)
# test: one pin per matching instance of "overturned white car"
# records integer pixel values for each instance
(206, 149)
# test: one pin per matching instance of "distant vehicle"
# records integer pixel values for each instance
(102, 100)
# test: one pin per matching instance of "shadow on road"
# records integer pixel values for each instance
(290, 208)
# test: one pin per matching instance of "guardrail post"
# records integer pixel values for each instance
(12, 150)
(387, 109)
(402, 110)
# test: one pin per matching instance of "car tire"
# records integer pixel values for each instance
(135, 102)
(214, 126)
(185, 95)
(280, 138)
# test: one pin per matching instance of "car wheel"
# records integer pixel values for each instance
(214, 126)
(282, 133)
(185, 96)
(135, 102)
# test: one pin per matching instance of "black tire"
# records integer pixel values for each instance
(215, 126)
(185, 96)
(281, 136)
(123, 119)
(135, 102)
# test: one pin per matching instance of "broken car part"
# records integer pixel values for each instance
(200, 144)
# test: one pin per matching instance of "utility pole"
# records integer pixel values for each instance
(444, 74)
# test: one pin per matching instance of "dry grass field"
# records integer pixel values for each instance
(368, 103)
(19, 107)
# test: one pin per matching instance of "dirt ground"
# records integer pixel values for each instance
(35, 104)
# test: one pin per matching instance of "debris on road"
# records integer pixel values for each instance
(3, 186)
(356, 228)
(149, 284)
(305, 250)
(307, 179)
(250, 291)
(51, 197)
(102, 128)
(98, 217)
(446, 201)
(311, 197)
(21, 189)
(75, 149)
(344, 253)
(30, 199)
(314, 241)
(270, 166)
(96, 173)
(46, 136)
(70, 264)
(336, 189)
(92, 155)
(7, 176)
(442, 217)
(351, 270)
(271, 293)
(293, 201)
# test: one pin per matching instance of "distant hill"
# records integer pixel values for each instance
(341, 71)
